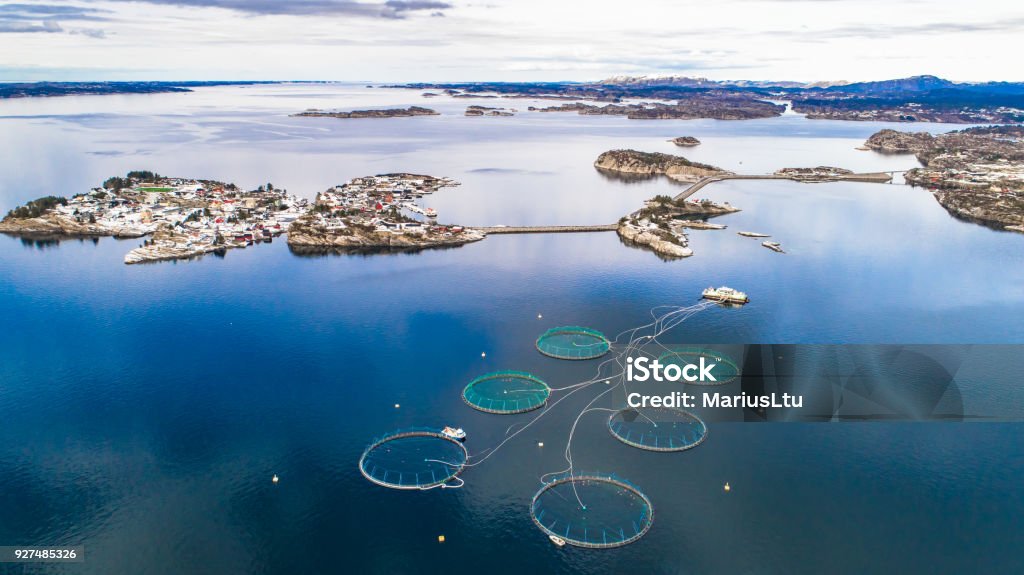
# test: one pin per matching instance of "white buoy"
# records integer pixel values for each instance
(540, 316)
(275, 479)
(726, 487)
(540, 444)
(483, 354)
(397, 405)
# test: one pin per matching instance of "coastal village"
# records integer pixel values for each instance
(378, 212)
(184, 217)
(976, 174)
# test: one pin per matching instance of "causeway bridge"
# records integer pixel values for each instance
(873, 177)
(546, 229)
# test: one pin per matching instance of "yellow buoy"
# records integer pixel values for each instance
(440, 538)
(275, 479)
(727, 488)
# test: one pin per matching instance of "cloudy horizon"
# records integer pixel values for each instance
(502, 40)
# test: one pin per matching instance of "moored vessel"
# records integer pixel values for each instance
(725, 295)
(453, 433)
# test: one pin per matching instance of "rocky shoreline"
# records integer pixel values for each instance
(685, 141)
(660, 225)
(976, 174)
(313, 238)
(489, 111)
(386, 113)
(633, 162)
(58, 225)
(689, 107)
(658, 241)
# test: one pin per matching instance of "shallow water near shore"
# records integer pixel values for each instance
(145, 408)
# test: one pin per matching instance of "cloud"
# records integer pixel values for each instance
(388, 9)
(46, 18)
(35, 12)
(90, 32)
(16, 27)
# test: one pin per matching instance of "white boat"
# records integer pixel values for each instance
(452, 433)
(774, 246)
(431, 212)
(557, 540)
(725, 295)
(754, 235)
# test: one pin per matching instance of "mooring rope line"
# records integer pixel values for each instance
(659, 325)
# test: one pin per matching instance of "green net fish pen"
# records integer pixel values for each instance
(506, 392)
(573, 342)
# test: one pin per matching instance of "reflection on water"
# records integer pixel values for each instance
(145, 408)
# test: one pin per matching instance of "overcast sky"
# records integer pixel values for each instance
(452, 40)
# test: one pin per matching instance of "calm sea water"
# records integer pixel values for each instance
(143, 409)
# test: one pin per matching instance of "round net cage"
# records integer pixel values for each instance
(573, 342)
(417, 458)
(724, 369)
(506, 392)
(592, 510)
(658, 428)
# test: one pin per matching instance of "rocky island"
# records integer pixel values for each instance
(186, 217)
(489, 111)
(648, 164)
(384, 113)
(368, 214)
(976, 174)
(660, 224)
(685, 141)
(690, 107)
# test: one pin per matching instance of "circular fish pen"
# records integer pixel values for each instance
(573, 342)
(725, 369)
(418, 458)
(592, 510)
(658, 428)
(506, 392)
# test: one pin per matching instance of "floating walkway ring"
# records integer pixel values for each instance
(565, 519)
(573, 342)
(417, 458)
(671, 429)
(506, 392)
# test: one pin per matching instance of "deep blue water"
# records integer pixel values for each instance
(144, 409)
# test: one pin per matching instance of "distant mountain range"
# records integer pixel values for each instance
(914, 84)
